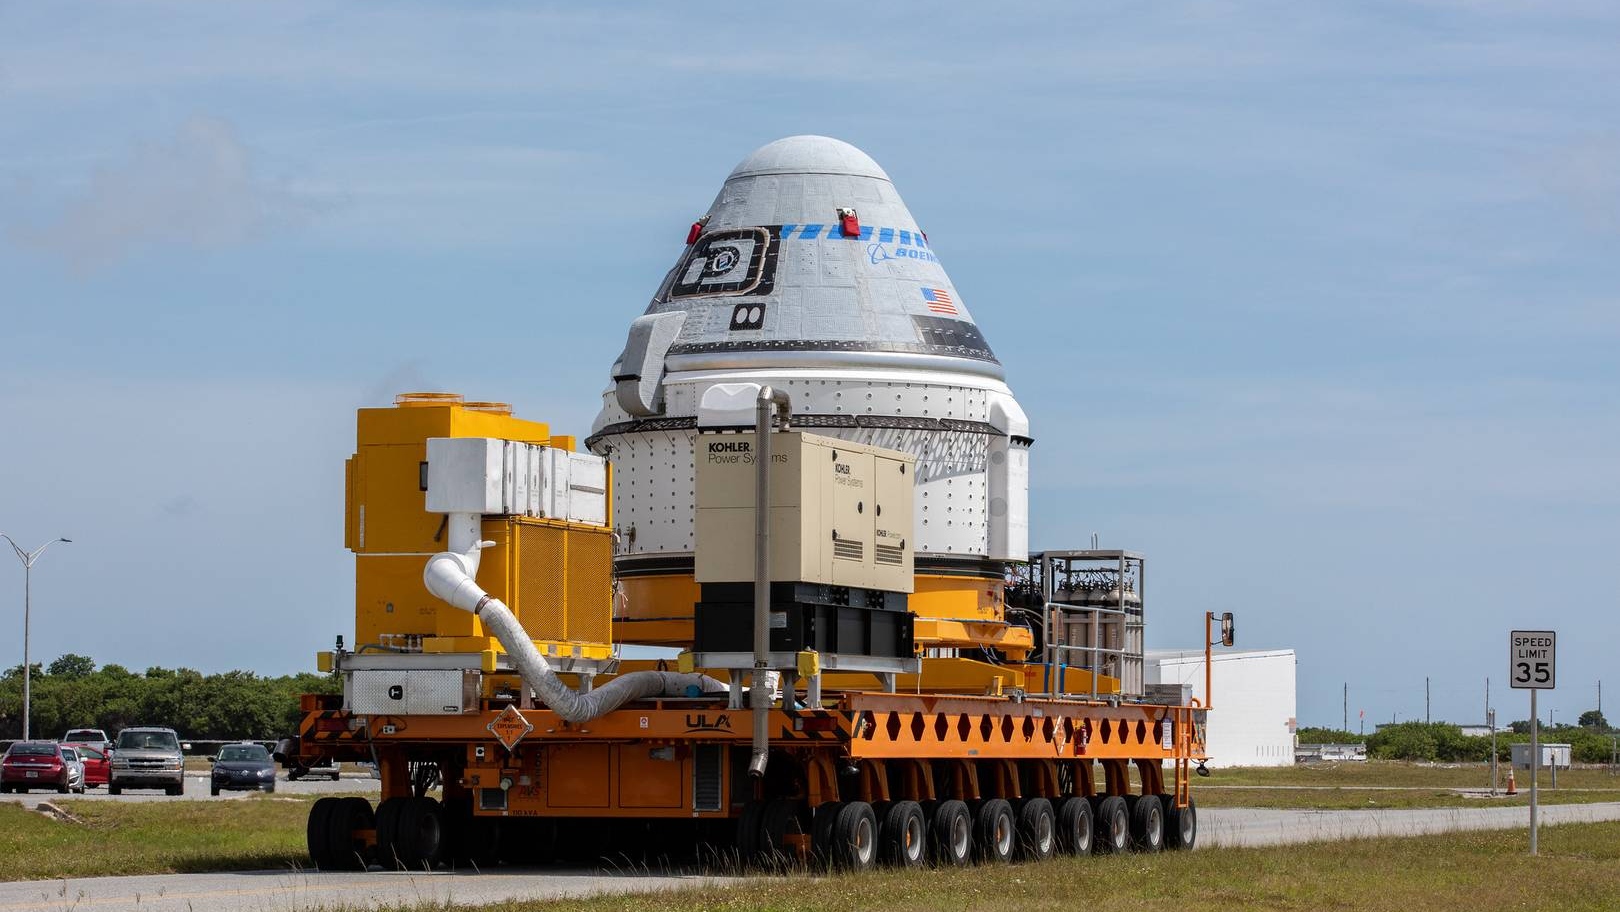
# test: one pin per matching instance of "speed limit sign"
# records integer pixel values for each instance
(1532, 659)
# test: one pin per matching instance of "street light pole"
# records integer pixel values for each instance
(28, 558)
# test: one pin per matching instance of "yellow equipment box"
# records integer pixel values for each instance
(554, 574)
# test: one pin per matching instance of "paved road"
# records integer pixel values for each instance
(1262, 827)
(275, 891)
(283, 891)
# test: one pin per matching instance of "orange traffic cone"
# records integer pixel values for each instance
(1513, 787)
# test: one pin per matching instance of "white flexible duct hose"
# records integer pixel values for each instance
(447, 577)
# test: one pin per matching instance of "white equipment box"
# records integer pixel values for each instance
(841, 512)
(417, 692)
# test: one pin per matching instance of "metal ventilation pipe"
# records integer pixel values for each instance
(770, 403)
(449, 576)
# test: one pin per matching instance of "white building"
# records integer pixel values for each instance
(1253, 722)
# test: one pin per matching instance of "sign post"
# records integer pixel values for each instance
(1533, 666)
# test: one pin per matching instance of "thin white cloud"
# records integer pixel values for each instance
(197, 188)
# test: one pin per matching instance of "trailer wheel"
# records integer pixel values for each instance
(950, 834)
(1037, 830)
(748, 833)
(1112, 822)
(388, 832)
(821, 831)
(904, 835)
(1181, 825)
(345, 849)
(316, 829)
(421, 830)
(781, 817)
(854, 837)
(994, 833)
(1147, 824)
(1074, 826)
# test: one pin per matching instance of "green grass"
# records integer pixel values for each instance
(1392, 773)
(268, 831)
(115, 837)
(1578, 870)
(1385, 784)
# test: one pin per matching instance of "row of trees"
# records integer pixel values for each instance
(1440, 742)
(72, 692)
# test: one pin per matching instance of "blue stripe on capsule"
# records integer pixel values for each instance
(885, 235)
(905, 238)
(810, 232)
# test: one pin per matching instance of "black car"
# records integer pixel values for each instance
(243, 767)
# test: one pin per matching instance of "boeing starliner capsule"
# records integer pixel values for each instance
(809, 274)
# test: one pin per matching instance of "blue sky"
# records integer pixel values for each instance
(1316, 304)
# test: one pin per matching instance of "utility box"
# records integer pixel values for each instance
(841, 512)
(1552, 755)
(416, 692)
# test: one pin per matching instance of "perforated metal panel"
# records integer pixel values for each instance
(708, 769)
(541, 593)
(563, 588)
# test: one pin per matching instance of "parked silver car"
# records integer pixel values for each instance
(147, 758)
(75, 765)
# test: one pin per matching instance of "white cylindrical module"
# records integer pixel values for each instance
(809, 274)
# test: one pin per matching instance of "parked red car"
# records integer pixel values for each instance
(35, 764)
(97, 762)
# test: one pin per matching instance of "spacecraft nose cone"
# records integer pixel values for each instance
(808, 155)
(809, 258)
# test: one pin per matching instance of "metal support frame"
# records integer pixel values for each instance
(1127, 573)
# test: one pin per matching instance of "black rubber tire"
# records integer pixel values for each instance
(1180, 824)
(114, 789)
(270, 787)
(388, 814)
(1037, 830)
(995, 834)
(316, 832)
(749, 833)
(213, 790)
(855, 837)
(62, 789)
(1111, 825)
(950, 834)
(903, 836)
(821, 831)
(780, 817)
(1074, 830)
(1147, 824)
(480, 843)
(345, 848)
(419, 839)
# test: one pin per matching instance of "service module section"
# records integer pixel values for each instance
(1532, 659)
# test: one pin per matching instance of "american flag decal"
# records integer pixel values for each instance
(939, 301)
